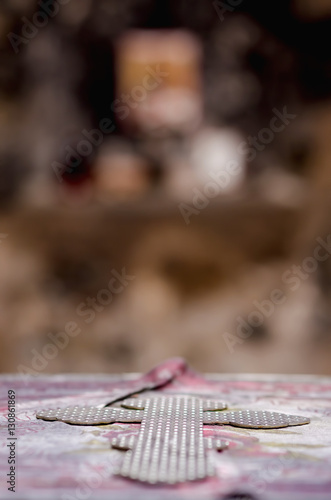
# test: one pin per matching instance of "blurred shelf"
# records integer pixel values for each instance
(252, 226)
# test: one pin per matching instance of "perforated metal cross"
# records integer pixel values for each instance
(170, 447)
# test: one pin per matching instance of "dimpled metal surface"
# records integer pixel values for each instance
(215, 444)
(254, 419)
(207, 404)
(123, 443)
(211, 405)
(170, 447)
(91, 415)
(134, 404)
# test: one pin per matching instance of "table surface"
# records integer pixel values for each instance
(60, 461)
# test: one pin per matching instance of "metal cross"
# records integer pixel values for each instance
(170, 447)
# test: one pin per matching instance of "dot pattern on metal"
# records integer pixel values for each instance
(210, 405)
(170, 447)
(134, 404)
(207, 404)
(254, 419)
(124, 443)
(91, 415)
(215, 444)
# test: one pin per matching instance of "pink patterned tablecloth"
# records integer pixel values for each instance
(54, 460)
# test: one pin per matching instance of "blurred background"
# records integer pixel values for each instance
(165, 185)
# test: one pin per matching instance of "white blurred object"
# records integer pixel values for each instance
(215, 155)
